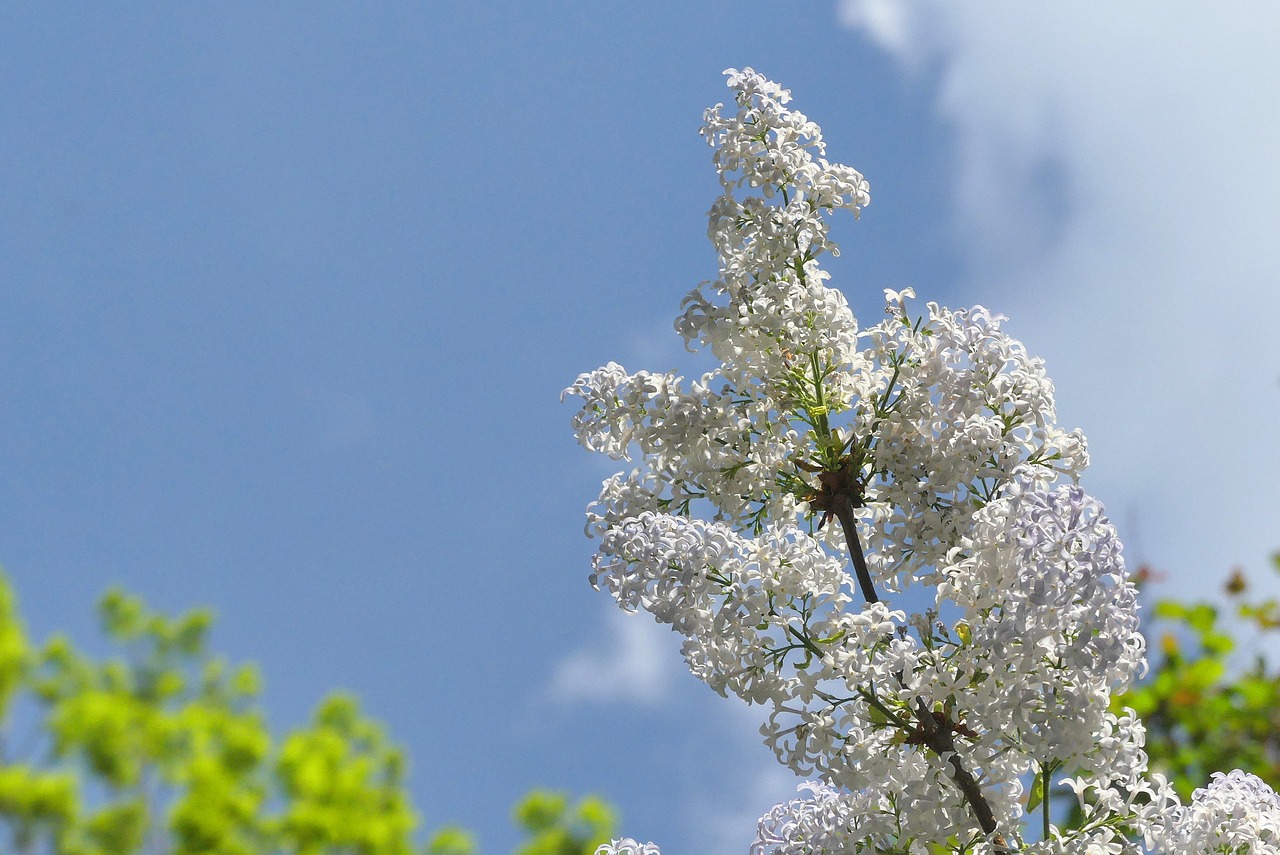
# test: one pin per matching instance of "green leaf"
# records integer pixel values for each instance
(1037, 792)
(452, 840)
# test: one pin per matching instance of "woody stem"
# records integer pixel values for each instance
(842, 507)
(938, 736)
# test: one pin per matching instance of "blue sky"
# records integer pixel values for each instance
(291, 292)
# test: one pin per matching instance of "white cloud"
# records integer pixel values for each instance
(888, 22)
(639, 662)
(636, 663)
(726, 817)
(1118, 195)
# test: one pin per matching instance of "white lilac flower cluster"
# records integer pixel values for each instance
(777, 310)
(925, 451)
(745, 606)
(957, 407)
(1052, 621)
(626, 846)
(705, 442)
(1237, 814)
(820, 823)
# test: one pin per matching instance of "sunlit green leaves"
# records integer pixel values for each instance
(13, 647)
(556, 828)
(163, 749)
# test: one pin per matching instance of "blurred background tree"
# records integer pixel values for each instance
(1212, 698)
(163, 750)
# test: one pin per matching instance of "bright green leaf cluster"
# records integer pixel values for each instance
(13, 648)
(163, 749)
(344, 786)
(556, 828)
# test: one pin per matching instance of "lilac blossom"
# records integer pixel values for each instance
(924, 451)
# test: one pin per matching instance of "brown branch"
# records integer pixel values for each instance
(938, 732)
(935, 728)
(842, 507)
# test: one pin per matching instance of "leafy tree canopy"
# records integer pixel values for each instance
(162, 748)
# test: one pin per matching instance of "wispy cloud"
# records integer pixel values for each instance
(1118, 194)
(635, 663)
(726, 818)
(638, 663)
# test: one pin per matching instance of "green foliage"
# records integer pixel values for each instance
(555, 828)
(163, 749)
(166, 737)
(345, 786)
(452, 840)
(1208, 706)
(13, 648)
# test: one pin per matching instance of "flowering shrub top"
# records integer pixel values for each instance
(922, 450)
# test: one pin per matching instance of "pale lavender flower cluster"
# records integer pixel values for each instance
(922, 451)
